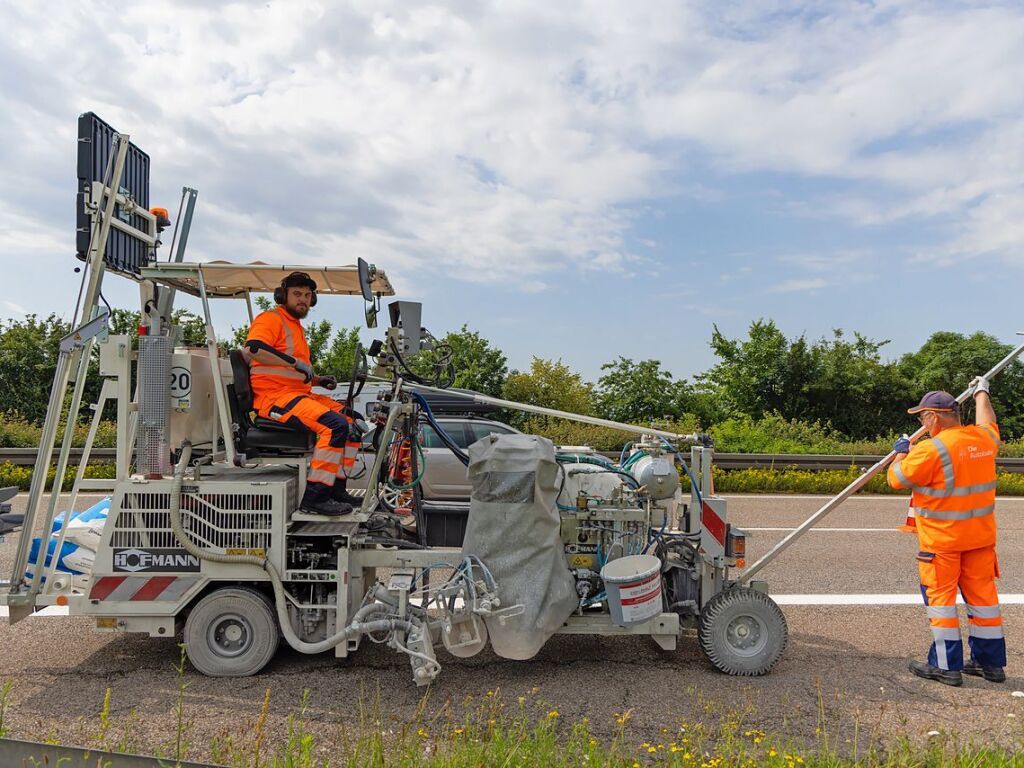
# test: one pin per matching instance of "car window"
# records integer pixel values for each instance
(456, 430)
(429, 437)
(482, 430)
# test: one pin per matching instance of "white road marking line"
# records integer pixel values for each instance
(834, 530)
(859, 497)
(50, 610)
(876, 599)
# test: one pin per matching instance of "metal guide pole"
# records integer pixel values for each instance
(857, 484)
(220, 398)
(487, 400)
(68, 360)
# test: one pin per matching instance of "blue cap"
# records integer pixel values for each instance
(936, 400)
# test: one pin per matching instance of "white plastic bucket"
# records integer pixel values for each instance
(633, 586)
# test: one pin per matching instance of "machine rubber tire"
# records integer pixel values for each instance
(232, 632)
(742, 632)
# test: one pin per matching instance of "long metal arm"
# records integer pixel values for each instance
(857, 484)
(487, 400)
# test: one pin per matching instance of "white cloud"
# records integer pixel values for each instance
(800, 285)
(511, 144)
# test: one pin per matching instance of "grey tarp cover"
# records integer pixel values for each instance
(513, 528)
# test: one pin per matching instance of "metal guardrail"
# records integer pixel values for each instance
(808, 461)
(813, 461)
(14, 752)
(26, 457)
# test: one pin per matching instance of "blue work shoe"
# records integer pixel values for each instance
(944, 676)
(992, 674)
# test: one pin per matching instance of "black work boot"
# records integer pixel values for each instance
(317, 499)
(340, 493)
(992, 674)
(328, 507)
(944, 676)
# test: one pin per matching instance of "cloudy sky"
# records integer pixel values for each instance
(572, 180)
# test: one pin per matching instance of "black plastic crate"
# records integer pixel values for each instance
(446, 525)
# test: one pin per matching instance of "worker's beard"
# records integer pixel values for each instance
(297, 312)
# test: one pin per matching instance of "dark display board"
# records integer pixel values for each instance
(124, 253)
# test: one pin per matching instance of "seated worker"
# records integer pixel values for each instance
(282, 378)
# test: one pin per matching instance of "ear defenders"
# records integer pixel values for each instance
(295, 280)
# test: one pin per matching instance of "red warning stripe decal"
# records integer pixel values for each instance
(714, 524)
(102, 589)
(153, 587)
(141, 588)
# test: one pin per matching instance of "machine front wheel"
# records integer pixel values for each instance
(742, 632)
(232, 632)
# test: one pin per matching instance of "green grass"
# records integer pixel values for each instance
(526, 730)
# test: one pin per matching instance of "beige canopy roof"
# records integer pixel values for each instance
(224, 278)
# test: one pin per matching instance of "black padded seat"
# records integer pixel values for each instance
(259, 436)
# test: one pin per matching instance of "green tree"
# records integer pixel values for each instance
(478, 365)
(950, 360)
(190, 325)
(639, 392)
(550, 384)
(337, 357)
(28, 358)
(852, 389)
(762, 374)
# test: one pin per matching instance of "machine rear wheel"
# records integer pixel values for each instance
(742, 632)
(232, 632)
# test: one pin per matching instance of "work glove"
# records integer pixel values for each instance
(305, 369)
(979, 384)
(327, 382)
(902, 445)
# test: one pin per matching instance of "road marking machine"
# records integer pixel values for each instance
(202, 534)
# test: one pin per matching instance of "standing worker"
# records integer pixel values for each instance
(282, 378)
(953, 477)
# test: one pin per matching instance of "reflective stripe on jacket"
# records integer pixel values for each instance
(953, 477)
(284, 333)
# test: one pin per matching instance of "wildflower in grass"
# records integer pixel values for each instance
(458, 731)
(534, 690)
(522, 700)
(490, 693)
(552, 714)
(772, 753)
(422, 733)
(624, 717)
(652, 750)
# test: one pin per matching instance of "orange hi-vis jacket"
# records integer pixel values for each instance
(953, 477)
(284, 333)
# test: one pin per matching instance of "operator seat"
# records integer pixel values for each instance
(257, 436)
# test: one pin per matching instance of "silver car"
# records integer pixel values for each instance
(445, 476)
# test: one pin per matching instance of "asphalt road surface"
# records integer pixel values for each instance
(849, 592)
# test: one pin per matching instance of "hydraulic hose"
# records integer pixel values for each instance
(355, 628)
(450, 444)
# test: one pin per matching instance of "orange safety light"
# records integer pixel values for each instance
(163, 218)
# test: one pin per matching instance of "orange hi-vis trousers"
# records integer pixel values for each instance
(973, 573)
(334, 455)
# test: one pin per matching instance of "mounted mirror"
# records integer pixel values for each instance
(371, 315)
(365, 279)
